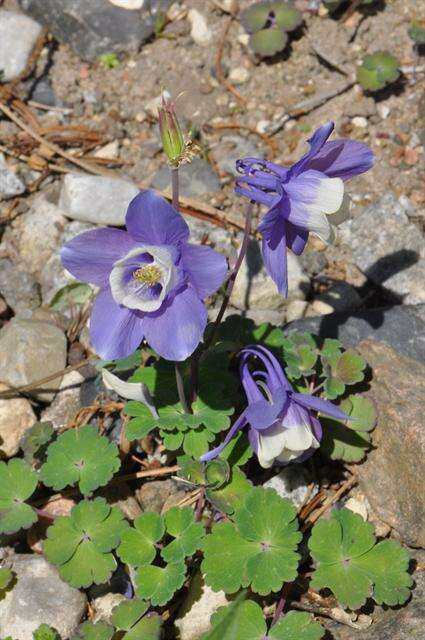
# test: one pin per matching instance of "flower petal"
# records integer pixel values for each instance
(129, 390)
(90, 255)
(233, 431)
(318, 404)
(152, 220)
(176, 330)
(205, 267)
(296, 238)
(115, 331)
(342, 159)
(275, 257)
(262, 414)
(316, 142)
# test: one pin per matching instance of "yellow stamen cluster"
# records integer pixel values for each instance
(148, 274)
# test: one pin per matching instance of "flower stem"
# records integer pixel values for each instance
(175, 188)
(180, 388)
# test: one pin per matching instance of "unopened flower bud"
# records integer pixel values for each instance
(171, 134)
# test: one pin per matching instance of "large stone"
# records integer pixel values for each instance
(16, 416)
(401, 327)
(196, 179)
(254, 288)
(18, 35)
(39, 596)
(31, 350)
(392, 476)
(96, 199)
(66, 402)
(10, 184)
(201, 602)
(291, 483)
(389, 249)
(19, 289)
(153, 495)
(92, 28)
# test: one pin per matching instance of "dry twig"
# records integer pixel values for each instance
(219, 69)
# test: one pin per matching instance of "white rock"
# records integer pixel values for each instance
(200, 604)
(96, 199)
(131, 5)
(200, 32)
(66, 403)
(18, 35)
(104, 606)
(292, 483)
(295, 310)
(243, 39)
(239, 75)
(16, 416)
(357, 506)
(383, 111)
(108, 151)
(262, 126)
(10, 184)
(360, 121)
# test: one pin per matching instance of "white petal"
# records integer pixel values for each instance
(329, 199)
(299, 438)
(343, 213)
(270, 445)
(129, 390)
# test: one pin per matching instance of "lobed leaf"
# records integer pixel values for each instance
(137, 545)
(188, 534)
(6, 577)
(159, 584)
(349, 440)
(17, 483)
(34, 442)
(268, 42)
(230, 496)
(45, 632)
(130, 616)
(94, 631)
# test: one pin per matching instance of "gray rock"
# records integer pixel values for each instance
(18, 35)
(218, 238)
(10, 184)
(254, 288)
(232, 148)
(397, 389)
(16, 416)
(340, 297)
(196, 179)
(400, 327)
(104, 606)
(291, 483)
(19, 289)
(313, 262)
(39, 596)
(31, 350)
(388, 249)
(201, 602)
(153, 495)
(96, 199)
(66, 402)
(92, 28)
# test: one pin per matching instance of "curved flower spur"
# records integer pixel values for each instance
(152, 281)
(283, 426)
(309, 196)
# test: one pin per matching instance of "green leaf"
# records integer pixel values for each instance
(296, 625)
(238, 451)
(350, 367)
(191, 470)
(44, 632)
(417, 33)
(378, 70)
(160, 379)
(71, 295)
(217, 473)
(94, 631)
(268, 42)
(35, 440)
(80, 544)
(287, 17)
(255, 17)
(300, 354)
(17, 483)
(353, 566)
(196, 441)
(349, 440)
(258, 549)
(6, 577)
(214, 420)
(245, 621)
(188, 534)
(130, 616)
(159, 584)
(138, 544)
(341, 369)
(80, 456)
(231, 495)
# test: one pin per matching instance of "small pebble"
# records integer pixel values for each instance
(360, 121)
(200, 32)
(239, 75)
(262, 126)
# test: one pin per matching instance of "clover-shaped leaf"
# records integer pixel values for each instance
(417, 33)
(268, 42)
(35, 440)
(258, 549)
(138, 544)
(130, 616)
(45, 632)
(256, 16)
(286, 16)
(188, 534)
(94, 631)
(6, 577)
(160, 380)
(341, 369)
(83, 456)
(231, 495)
(191, 470)
(378, 70)
(300, 355)
(159, 584)
(353, 566)
(349, 440)
(80, 544)
(238, 451)
(247, 623)
(17, 483)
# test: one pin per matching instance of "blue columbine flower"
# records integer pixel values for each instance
(309, 196)
(283, 426)
(152, 281)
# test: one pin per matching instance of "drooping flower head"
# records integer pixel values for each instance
(309, 196)
(152, 281)
(282, 424)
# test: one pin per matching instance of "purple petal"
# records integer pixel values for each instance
(318, 404)
(342, 159)
(152, 220)
(205, 267)
(115, 331)
(275, 258)
(177, 328)
(262, 414)
(316, 142)
(239, 424)
(275, 378)
(90, 255)
(296, 238)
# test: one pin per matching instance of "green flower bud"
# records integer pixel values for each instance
(171, 134)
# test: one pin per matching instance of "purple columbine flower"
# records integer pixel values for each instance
(309, 196)
(283, 426)
(152, 281)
